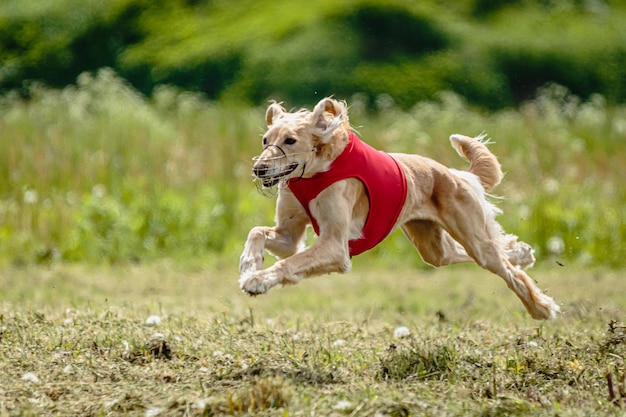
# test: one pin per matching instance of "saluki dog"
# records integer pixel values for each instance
(354, 196)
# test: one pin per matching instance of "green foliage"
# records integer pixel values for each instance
(96, 172)
(494, 53)
(56, 41)
(565, 52)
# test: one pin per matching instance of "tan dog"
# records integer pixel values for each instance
(443, 212)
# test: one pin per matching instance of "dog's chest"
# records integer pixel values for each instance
(385, 185)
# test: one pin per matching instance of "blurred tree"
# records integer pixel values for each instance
(495, 53)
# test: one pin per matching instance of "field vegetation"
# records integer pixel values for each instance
(96, 172)
(127, 131)
(123, 217)
(168, 340)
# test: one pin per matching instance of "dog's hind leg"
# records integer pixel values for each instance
(468, 225)
(434, 244)
(520, 254)
(438, 248)
(539, 305)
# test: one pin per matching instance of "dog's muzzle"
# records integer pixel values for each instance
(275, 171)
(270, 171)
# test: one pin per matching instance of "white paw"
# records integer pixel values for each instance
(545, 308)
(553, 309)
(525, 255)
(520, 254)
(254, 284)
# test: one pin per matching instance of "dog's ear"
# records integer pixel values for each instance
(327, 116)
(274, 111)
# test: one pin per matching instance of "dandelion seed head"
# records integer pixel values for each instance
(339, 342)
(344, 406)
(30, 377)
(556, 245)
(31, 197)
(401, 331)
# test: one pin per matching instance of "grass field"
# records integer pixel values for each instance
(122, 219)
(75, 341)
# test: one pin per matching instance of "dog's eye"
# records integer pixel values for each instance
(264, 141)
(290, 141)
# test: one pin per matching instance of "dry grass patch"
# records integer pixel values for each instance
(326, 347)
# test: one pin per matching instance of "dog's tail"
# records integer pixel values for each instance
(483, 163)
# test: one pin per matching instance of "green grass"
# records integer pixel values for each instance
(324, 347)
(114, 208)
(98, 173)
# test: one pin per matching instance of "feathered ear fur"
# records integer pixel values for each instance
(327, 116)
(274, 111)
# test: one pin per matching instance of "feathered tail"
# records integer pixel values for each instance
(483, 163)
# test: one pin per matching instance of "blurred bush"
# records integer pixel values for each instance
(494, 53)
(96, 172)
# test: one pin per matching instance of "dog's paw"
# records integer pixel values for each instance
(520, 254)
(254, 284)
(545, 308)
(523, 255)
(526, 255)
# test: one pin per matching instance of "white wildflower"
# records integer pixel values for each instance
(401, 331)
(99, 191)
(344, 406)
(31, 197)
(523, 211)
(555, 245)
(30, 377)
(551, 185)
(339, 342)
(153, 412)
(220, 354)
(153, 320)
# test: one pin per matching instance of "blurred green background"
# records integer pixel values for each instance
(127, 126)
(494, 53)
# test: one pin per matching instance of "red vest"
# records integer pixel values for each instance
(384, 182)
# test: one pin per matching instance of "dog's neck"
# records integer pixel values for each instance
(328, 152)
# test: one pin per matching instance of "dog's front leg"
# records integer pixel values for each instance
(321, 258)
(251, 258)
(282, 240)
(332, 209)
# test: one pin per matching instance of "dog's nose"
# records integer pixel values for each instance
(260, 170)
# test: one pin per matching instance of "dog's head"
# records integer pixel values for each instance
(302, 143)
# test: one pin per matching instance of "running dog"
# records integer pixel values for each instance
(354, 196)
